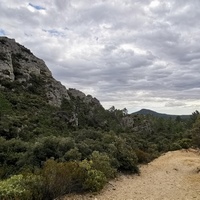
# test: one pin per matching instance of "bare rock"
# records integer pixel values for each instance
(18, 63)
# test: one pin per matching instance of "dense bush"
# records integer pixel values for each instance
(101, 162)
(61, 178)
(142, 156)
(175, 146)
(21, 187)
(95, 180)
(195, 131)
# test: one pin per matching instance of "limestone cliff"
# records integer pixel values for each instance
(18, 64)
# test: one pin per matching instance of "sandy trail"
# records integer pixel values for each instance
(173, 176)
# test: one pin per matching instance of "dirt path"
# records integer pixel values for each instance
(173, 176)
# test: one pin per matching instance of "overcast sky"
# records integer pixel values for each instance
(131, 53)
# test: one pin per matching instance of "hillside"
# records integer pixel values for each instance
(22, 72)
(161, 115)
(174, 175)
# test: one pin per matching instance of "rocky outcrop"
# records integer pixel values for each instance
(17, 63)
(70, 119)
(56, 92)
(128, 121)
(85, 98)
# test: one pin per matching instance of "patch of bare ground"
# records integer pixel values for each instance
(173, 176)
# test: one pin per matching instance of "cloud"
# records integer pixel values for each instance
(62, 4)
(175, 104)
(130, 54)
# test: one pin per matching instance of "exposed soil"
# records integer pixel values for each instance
(173, 176)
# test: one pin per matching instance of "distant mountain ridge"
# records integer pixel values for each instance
(161, 115)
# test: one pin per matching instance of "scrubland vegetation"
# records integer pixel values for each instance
(44, 155)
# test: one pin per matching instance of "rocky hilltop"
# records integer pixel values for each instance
(18, 64)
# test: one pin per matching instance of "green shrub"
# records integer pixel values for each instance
(12, 188)
(175, 146)
(97, 170)
(21, 187)
(142, 156)
(101, 162)
(185, 143)
(72, 154)
(126, 157)
(5, 106)
(61, 178)
(95, 181)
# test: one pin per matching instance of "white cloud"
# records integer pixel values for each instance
(127, 53)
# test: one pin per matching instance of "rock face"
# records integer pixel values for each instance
(17, 63)
(128, 121)
(86, 99)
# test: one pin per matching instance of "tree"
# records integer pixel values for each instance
(196, 132)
